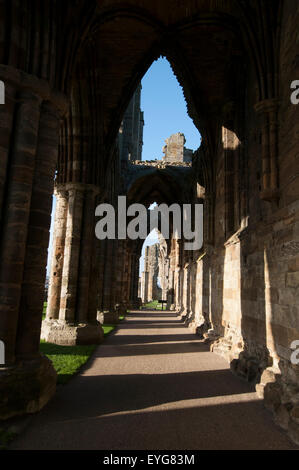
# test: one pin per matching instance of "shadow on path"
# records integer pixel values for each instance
(158, 388)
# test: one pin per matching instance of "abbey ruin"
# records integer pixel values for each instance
(72, 125)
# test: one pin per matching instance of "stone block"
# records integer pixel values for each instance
(26, 387)
(71, 334)
(110, 317)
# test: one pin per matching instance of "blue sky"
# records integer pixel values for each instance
(165, 113)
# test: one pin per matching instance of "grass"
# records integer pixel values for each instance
(6, 437)
(68, 360)
(108, 329)
(44, 310)
(155, 305)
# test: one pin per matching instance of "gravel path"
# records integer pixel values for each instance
(154, 385)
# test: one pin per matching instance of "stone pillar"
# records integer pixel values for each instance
(95, 292)
(110, 314)
(107, 277)
(102, 257)
(144, 287)
(68, 296)
(186, 292)
(134, 301)
(74, 325)
(268, 110)
(32, 298)
(120, 277)
(16, 218)
(86, 255)
(113, 283)
(136, 283)
(6, 121)
(59, 231)
(129, 278)
(28, 380)
(125, 276)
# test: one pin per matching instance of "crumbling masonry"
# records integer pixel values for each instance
(149, 277)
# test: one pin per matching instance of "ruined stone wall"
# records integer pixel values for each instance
(149, 278)
(131, 131)
(163, 261)
(247, 280)
(174, 150)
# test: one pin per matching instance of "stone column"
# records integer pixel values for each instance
(94, 293)
(6, 121)
(59, 231)
(86, 255)
(74, 325)
(268, 110)
(185, 306)
(109, 313)
(32, 298)
(102, 257)
(118, 271)
(119, 278)
(129, 278)
(107, 276)
(111, 287)
(144, 286)
(134, 282)
(124, 281)
(28, 379)
(16, 217)
(68, 296)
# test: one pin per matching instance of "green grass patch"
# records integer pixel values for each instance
(108, 328)
(6, 437)
(67, 360)
(155, 305)
(44, 310)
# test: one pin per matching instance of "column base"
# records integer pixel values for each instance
(71, 334)
(26, 387)
(108, 317)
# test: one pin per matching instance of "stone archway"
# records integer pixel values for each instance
(70, 70)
